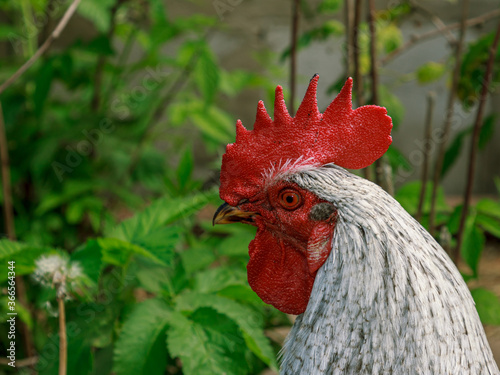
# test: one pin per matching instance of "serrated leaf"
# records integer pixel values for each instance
(200, 354)
(140, 343)
(473, 244)
(215, 279)
(244, 317)
(118, 252)
(487, 305)
(159, 214)
(430, 72)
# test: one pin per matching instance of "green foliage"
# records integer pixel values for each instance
(456, 146)
(488, 306)
(430, 72)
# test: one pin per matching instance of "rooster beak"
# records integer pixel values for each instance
(227, 214)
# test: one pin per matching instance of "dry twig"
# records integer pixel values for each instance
(44, 47)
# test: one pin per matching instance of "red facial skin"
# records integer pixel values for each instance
(279, 270)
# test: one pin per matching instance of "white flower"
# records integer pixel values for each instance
(54, 271)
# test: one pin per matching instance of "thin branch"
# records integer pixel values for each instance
(44, 47)
(8, 208)
(349, 20)
(474, 142)
(355, 45)
(431, 101)
(63, 342)
(383, 174)
(440, 25)
(293, 53)
(430, 34)
(438, 166)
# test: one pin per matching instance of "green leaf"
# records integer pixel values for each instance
(216, 279)
(185, 168)
(206, 75)
(453, 152)
(473, 244)
(236, 244)
(97, 11)
(489, 224)
(489, 207)
(487, 130)
(430, 72)
(454, 221)
(244, 317)
(390, 37)
(43, 83)
(329, 6)
(393, 105)
(487, 305)
(140, 346)
(409, 194)
(118, 252)
(197, 258)
(200, 353)
(90, 259)
(159, 214)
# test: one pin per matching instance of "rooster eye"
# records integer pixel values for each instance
(290, 199)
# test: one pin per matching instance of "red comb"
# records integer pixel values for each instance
(349, 138)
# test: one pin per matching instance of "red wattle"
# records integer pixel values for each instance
(279, 273)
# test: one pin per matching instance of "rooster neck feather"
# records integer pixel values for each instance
(388, 299)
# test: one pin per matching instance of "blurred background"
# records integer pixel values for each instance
(111, 148)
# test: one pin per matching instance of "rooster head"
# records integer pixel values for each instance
(294, 226)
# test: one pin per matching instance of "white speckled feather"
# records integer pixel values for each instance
(388, 300)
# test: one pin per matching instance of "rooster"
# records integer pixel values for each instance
(373, 291)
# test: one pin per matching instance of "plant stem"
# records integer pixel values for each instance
(355, 45)
(379, 168)
(431, 100)
(63, 343)
(44, 47)
(101, 62)
(438, 166)
(474, 142)
(293, 53)
(349, 20)
(10, 229)
(418, 38)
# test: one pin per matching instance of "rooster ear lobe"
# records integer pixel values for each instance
(319, 245)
